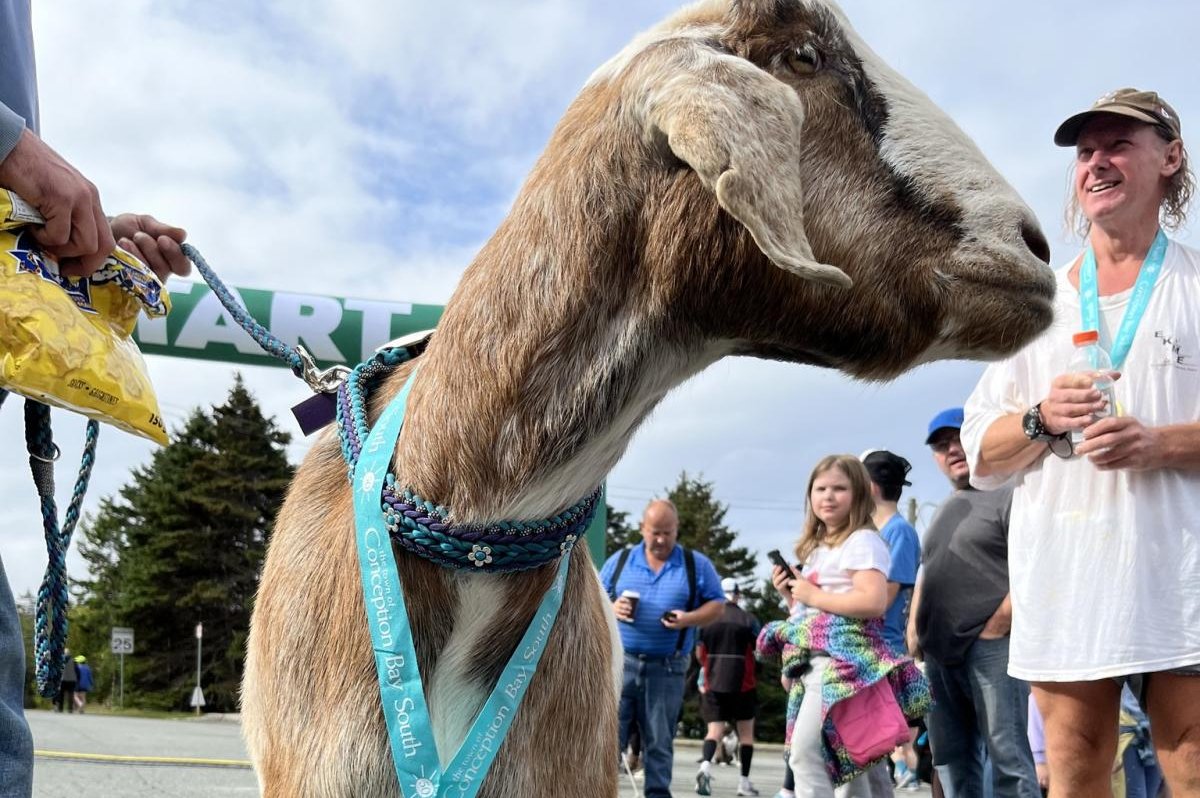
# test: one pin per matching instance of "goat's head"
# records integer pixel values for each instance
(870, 234)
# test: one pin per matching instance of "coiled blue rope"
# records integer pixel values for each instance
(50, 616)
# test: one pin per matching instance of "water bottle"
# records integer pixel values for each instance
(1090, 358)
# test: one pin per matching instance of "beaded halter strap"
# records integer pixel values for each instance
(424, 528)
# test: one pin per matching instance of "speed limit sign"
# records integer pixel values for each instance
(122, 640)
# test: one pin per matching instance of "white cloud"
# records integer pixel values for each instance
(369, 149)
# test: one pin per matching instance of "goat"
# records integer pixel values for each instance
(746, 178)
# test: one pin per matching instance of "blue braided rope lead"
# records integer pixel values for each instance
(50, 618)
(261, 335)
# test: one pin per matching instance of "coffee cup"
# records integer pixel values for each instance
(632, 596)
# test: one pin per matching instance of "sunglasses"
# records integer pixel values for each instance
(942, 445)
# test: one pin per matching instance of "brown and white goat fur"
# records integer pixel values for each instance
(747, 178)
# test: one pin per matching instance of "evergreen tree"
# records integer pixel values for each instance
(619, 532)
(702, 527)
(183, 544)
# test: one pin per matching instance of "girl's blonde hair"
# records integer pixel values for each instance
(815, 533)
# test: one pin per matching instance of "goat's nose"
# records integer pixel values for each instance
(1031, 234)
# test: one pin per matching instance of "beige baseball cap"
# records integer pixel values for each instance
(1144, 106)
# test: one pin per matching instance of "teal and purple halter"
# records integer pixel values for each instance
(425, 528)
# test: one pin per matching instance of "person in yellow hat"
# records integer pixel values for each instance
(83, 684)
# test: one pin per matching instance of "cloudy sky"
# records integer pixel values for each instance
(370, 148)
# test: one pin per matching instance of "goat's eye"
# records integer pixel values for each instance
(804, 60)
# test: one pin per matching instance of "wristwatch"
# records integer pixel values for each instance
(1035, 430)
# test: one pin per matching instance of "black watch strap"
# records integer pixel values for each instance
(1034, 427)
(1035, 430)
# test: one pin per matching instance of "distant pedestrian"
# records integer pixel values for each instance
(84, 683)
(1136, 773)
(66, 688)
(729, 692)
(660, 592)
(1037, 744)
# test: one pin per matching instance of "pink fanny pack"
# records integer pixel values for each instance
(870, 723)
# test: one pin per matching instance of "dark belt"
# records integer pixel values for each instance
(653, 657)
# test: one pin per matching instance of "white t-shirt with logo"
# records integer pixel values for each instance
(832, 568)
(1104, 566)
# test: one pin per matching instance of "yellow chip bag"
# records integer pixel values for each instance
(67, 341)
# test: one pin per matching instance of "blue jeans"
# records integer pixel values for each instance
(1141, 780)
(16, 743)
(981, 713)
(652, 694)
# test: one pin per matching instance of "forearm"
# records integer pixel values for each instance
(1180, 446)
(1005, 449)
(704, 614)
(1004, 611)
(910, 631)
(855, 604)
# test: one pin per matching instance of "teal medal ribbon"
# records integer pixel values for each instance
(1089, 296)
(410, 731)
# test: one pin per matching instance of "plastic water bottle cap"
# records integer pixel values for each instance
(1085, 337)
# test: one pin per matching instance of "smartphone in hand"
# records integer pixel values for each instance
(774, 556)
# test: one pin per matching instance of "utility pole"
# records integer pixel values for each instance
(912, 511)
(198, 694)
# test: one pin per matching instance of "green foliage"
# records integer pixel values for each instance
(702, 527)
(619, 532)
(764, 603)
(183, 543)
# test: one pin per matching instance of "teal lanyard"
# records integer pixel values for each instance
(1089, 297)
(410, 732)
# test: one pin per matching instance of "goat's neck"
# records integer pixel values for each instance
(515, 419)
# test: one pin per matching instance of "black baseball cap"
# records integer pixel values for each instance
(887, 469)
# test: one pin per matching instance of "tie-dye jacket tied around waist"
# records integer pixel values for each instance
(858, 659)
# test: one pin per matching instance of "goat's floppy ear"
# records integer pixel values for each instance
(739, 129)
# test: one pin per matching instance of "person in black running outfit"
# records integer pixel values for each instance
(728, 692)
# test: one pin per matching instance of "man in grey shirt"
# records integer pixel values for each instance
(962, 615)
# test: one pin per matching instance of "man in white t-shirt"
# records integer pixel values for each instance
(1104, 541)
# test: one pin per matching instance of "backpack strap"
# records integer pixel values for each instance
(616, 574)
(689, 564)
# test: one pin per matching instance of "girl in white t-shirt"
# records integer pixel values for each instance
(844, 565)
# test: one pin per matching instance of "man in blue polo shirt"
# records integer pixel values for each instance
(657, 633)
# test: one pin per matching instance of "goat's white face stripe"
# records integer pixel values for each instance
(918, 141)
(922, 143)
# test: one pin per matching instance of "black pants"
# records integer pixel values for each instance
(66, 694)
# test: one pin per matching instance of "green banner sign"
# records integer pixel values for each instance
(334, 330)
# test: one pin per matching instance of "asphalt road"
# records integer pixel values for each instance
(210, 738)
(110, 735)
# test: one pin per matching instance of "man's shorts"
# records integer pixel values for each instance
(1138, 682)
(730, 707)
